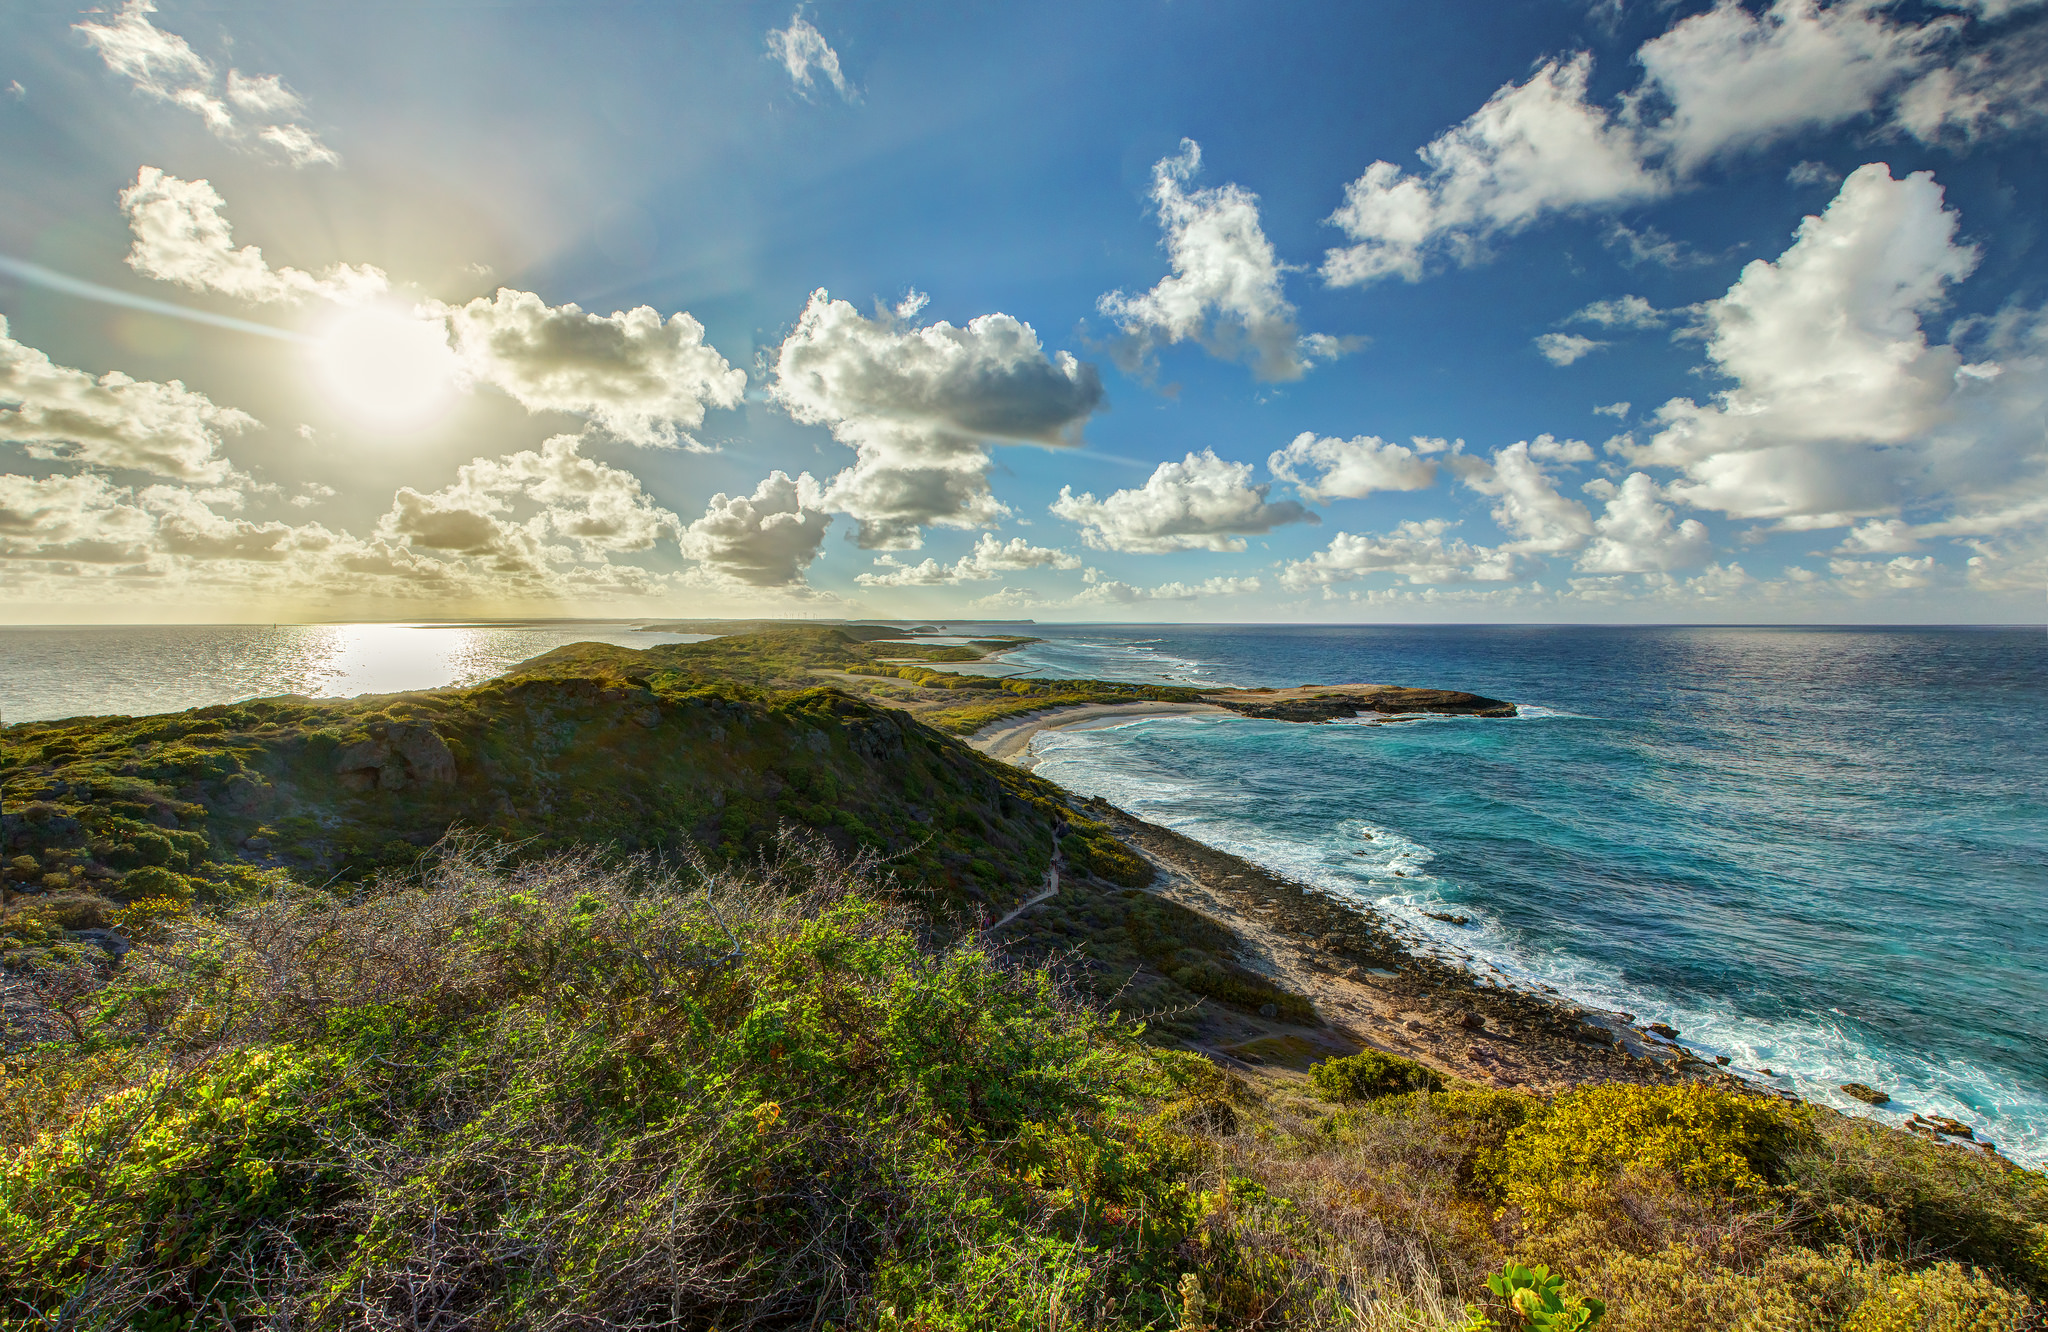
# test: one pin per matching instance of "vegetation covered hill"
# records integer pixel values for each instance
(645, 990)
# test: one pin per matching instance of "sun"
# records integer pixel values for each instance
(386, 366)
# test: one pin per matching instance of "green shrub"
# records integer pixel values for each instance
(152, 881)
(1863, 1184)
(1370, 1075)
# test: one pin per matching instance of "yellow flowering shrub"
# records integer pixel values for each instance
(1705, 1139)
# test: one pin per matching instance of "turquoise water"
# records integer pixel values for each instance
(1824, 852)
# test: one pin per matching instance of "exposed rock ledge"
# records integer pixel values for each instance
(1321, 703)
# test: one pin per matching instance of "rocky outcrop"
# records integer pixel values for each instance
(393, 757)
(1322, 703)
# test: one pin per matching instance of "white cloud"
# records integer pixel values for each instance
(1617, 410)
(250, 111)
(1331, 468)
(1840, 405)
(990, 559)
(766, 539)
(801, 48)
(919, 407)
(181, 237)
(1534, 149)
(1528, 506)
(1552, 449)
(643, 379)
(1733, 80)
(1415, 550)
(1564, 348)
(572, 499)
(71, 519)
(1199, 503)
(1880, 536)
(1635, 532)
(1102, 591)
(1621, 312)
(113, 421)
(1868, 578)
(1226, 288)
(1996, 89)
(1719, 82)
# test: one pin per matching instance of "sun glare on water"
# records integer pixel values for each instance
(386, 366)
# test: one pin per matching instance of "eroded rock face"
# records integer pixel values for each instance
(394, 757)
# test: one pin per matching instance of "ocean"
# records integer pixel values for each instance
(1818, 851)
(136, 670)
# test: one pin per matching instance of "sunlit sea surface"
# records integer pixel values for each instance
(1823, 852)
(135, 670)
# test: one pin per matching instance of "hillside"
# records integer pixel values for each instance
(677, 988)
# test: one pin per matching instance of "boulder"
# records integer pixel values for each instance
(1867, 1095)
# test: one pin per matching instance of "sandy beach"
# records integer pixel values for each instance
(1010, 740)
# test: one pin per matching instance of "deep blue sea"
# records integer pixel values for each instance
(1818, 851)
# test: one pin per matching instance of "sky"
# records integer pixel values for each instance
(1169, 310)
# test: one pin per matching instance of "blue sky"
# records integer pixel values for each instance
(1174, 311)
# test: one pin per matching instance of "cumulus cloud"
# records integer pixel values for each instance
(1636, 532)
(1416, 550)
(1720, 82)
(113, 421)
(766, 539)
(1198, 503)
(1226, 288)
(1732, 79)
(920, 405)
(1841, 408)
(80, 519)
(1564, 348)
(643, 379)
(801, 49)
(1617, 410)
(255, 112)
(594, 508)
(1535, 148)
(1331, 468)
(181, 237)
(1527, 504)
(1104, 591)
(990, 559)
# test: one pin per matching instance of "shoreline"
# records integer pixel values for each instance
(1355, 965)
(1009, 740)
(1369, 987)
